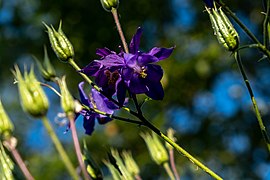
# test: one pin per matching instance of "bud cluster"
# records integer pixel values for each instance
(223, 29)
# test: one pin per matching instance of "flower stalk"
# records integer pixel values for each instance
(60, 149)
(119, 29)
(11, 144)
(253, 100)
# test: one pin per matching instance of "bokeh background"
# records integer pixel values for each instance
(205, 101)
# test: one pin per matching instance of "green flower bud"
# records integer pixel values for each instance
(130, 164)
(32, 96)
(60, 43)
(46, 69)
(67, 101)
(91, 166)
(108, 5)
(6, 165)
(6, 126)
(223, 29)
(119, 162)
(156, 149)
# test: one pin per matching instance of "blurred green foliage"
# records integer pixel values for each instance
(198, 66)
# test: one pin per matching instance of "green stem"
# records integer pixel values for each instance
(168, 170)
(253, 100)
(119, 29)
(265, 25)
(60, 148)
(77, 145)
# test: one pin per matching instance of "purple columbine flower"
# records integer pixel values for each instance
(95, 101)
(134, 71)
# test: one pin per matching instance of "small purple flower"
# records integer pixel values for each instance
(94, 101)
(134, 71)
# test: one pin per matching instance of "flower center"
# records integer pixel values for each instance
(141, 71)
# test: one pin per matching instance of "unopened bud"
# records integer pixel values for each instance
(67, 101)
(108, 5)
(156, 149)
(32, 96)
(223, 29)
(6, 165)
(130, 163)
(46, 69)
(91, 166)
(60, 43)
(6, 126)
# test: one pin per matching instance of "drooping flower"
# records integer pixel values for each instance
(94, 101)
(134, 71)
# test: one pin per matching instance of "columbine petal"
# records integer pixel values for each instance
(137, 85)
(83, 96)
(112, 60)
(104, 52)
(92, 68)
(89, 124)
(209, 3)
(155, 90)
(100, 103)
(145, 59)
(154, 72)
(161, 53)
(135, 42)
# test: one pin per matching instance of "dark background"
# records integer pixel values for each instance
(205, 101)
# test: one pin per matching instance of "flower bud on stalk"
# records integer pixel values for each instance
(67, 101)
(130, 163)
(6, 165)
(108, 5)
(46, 69)
(156, 149)
(32, 96)
(6, 126)
(60, 43)
(223, 29)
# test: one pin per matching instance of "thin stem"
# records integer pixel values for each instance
(50, 87)
(172, 162)
(253, 100)
(77, 145)
(60, 149)
(265, 25)
(134, 97)
(168, 170)
(119, 29)
(11, 146)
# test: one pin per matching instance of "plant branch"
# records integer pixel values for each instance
(77, 145)
(253, 100)
(11, 144)
(60, 149)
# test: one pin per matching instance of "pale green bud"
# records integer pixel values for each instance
(32, 96)
(108, 5)
(46, 69)
(223, 29)
(124, 171)
(67, 101)
(91, 166)
(156, 148)
(6, 126)
(130, 163)
(60, 43)
(6, 165)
